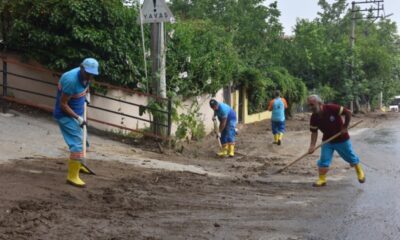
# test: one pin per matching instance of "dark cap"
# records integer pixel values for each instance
(213, 103)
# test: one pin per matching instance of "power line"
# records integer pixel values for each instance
(376, 6)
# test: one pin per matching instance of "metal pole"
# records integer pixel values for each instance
(5, 82)
(154, 69)
(163, 81)
(144, 50)
(352, 42)
(154, 57)
(169, 116)
(158, 70)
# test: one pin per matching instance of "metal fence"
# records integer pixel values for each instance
(5, 98)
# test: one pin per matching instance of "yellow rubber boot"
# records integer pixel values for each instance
(231, 150)
(360, 173)
(276, 139)
(224, 151)
(321, 181)
(280, 136)
(73, 173)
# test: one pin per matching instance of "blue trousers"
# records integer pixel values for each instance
(73, 136)
(344, 149)
(278, 127)
(228, 135)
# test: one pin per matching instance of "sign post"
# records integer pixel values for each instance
(156, 12)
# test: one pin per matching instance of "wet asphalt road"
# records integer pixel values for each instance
(370, 211)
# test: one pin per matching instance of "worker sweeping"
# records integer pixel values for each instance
(69, 110)
(227, 127)
(328, 119)
(278, 121)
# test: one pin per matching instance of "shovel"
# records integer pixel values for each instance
(320, 145)
(216, 133)
(85, 139)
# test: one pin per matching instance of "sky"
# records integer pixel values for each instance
(293, 9)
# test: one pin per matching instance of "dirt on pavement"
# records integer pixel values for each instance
(126, 201)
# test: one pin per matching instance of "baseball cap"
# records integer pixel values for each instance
(213, 103)
(91, 66)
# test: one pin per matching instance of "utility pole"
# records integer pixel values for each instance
(375, 6)
(158, 71)
(157, 12)
(158, 59)
(352, 42)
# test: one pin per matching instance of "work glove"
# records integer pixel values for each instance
(87, 98)
(81, 121)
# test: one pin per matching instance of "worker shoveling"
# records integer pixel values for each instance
(328, 119)
(70, 113)
(226, 131)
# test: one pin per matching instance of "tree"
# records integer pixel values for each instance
(201, 58)
(320, 53)
(257, 40)
(103, 29)
(255, 28)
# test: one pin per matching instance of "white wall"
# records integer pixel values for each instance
(35, 70)
(205, 110)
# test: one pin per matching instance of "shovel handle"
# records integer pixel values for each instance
(84, 138)
(320, 145)
(216, 133)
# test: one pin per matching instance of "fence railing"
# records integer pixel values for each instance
(5, 98)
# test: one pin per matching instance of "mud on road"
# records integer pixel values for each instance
(126, 201)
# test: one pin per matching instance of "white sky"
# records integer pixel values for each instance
(293, 9)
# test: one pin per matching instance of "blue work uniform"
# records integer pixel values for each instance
(278, 121)
(224, 111)
(71, 84)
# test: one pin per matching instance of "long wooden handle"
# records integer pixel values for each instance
(320, 145)
(216, 132)
(84, 131)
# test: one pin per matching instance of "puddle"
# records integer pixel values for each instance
(381, 136)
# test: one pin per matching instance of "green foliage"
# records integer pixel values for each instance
(327, 93)
(257, 87)
(60, 33)
(253, 26)
(320, 53)
(291, 88)
(190, 123)
(286, 83)
(254, 33)
(205, 52)
(215, 42)
(260, 87)
(157, 110)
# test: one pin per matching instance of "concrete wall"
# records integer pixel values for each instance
(206, 112)
(35, 70)
(47, 87)
(119, 107)
(246, 117)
